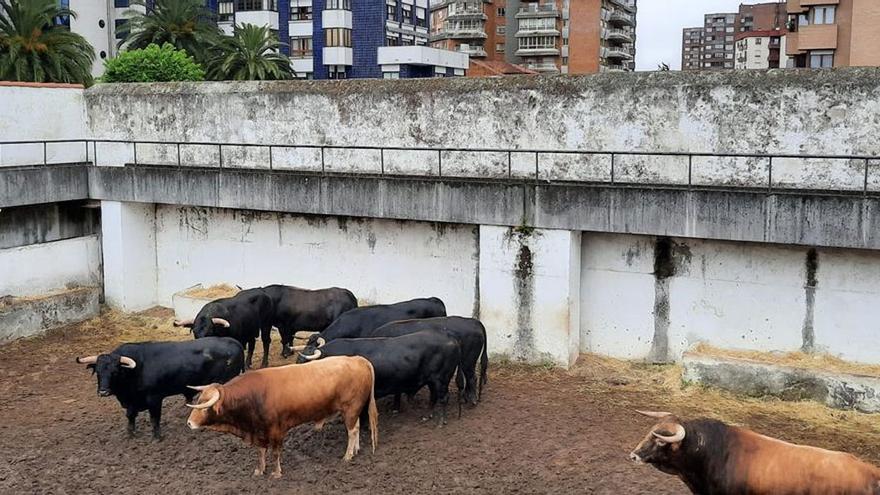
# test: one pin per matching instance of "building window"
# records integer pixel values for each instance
(392, 40)
(337, 37)
(338, 5)
(120, 4)
(537, 43)
(301, 47)
(120, 23)
(502, 30)
(391, 75)
(301, 13)
(421, 17)
(225, 11)
(247, 5)
(391, 12)
(823, 15)
(499, 47)
(758, 41)
(501, 12)
(406, 13)
(821, 59)
(537, 24)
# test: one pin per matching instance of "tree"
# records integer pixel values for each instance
(35, 47)
(186, 24)
(252, 53)
(153, 64)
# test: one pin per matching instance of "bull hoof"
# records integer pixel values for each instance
(258, 472)
(276, 475)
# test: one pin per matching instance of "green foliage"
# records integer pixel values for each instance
(251, 54)
(35, 48)
(186, 24)
(153, 64)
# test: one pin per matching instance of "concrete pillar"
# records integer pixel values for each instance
(530, 293)
(129, 245)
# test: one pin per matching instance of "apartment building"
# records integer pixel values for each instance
(833, 33)
(546, 36)
(326, 39)
(760, 50)
(713, 46)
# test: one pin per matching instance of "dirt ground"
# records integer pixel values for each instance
(538, 430)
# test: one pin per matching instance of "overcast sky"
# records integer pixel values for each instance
(660, 23)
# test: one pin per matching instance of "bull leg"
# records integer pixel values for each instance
(261, 464)
(251, 344)
(443, 399)
(352, 424)
(286, 342)
(266, 337)
(131, 413)
(276, 449)
(156, 419)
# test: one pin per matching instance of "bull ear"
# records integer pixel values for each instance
(91, 367)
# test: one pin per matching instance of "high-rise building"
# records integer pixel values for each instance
(326, 39)
(713, 46)
(547, 36)
(833, 33)
(760, 50)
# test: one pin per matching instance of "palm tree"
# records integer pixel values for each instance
(35, 47)
(186, 24)
(251, 54)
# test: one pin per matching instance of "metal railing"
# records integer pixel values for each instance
(540, 165)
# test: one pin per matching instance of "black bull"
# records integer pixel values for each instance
(296, 309)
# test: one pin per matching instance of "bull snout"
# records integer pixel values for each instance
(635, 458)
(192, 426)
(103, 393)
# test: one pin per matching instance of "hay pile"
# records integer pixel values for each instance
(822, 362)
(213, 292)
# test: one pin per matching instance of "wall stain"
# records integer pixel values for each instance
(811, 270)
(524, 295)
(664, 269)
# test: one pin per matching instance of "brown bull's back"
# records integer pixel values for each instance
(769, 466)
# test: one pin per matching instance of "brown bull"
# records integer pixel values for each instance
(714, 458)
(261, 406)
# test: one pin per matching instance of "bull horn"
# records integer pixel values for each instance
(298, 348)
(321, 341)
(314, 356)
(220, 321)
(303, 334)
(674, 438)
(87, 360)
(198, 387)
(654, 414)
(183, 323)
(210, 402)
(127, 362)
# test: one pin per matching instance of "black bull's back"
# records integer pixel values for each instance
(295, 309)
(471, 336)
(354, 323)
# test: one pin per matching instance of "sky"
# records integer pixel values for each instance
(658, 35)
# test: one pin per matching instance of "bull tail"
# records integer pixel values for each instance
(484, 366)
(373, 411)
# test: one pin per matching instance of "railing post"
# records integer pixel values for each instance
(323, 166)
(537, 174)
(87, 150)
(867, 167)
(382, 161)
(612, 168)
(270, 157)
(178, 155)
(770, 175)
(690, 170)
(45, 155)
(439, 163)
(134, 151)
(509, 164)
(95, 151)
(220, 154)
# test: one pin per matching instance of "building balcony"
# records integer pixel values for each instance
(616, 34)
(472, 51)
(538, 10)
(525, 33)
(338, 55)
(543, 67)
(801, 6)
(621, 18)
(629, 5)
(459, 34)
(618, 53)
(815, 37)
(257, 18)
(537, 52)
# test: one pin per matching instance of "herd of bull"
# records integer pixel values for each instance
(352, 356)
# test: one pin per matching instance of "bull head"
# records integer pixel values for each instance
(662, 443)
(107, 367)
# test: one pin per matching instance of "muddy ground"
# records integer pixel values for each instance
(537, 431)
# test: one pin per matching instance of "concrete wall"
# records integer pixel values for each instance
(381, 261)
(647, 297)
(38, 268)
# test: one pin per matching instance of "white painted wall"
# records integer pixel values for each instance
(37, 113)
(381, 261)
(731, 295)
(40, 268)
(129, 244)
(529, 303)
